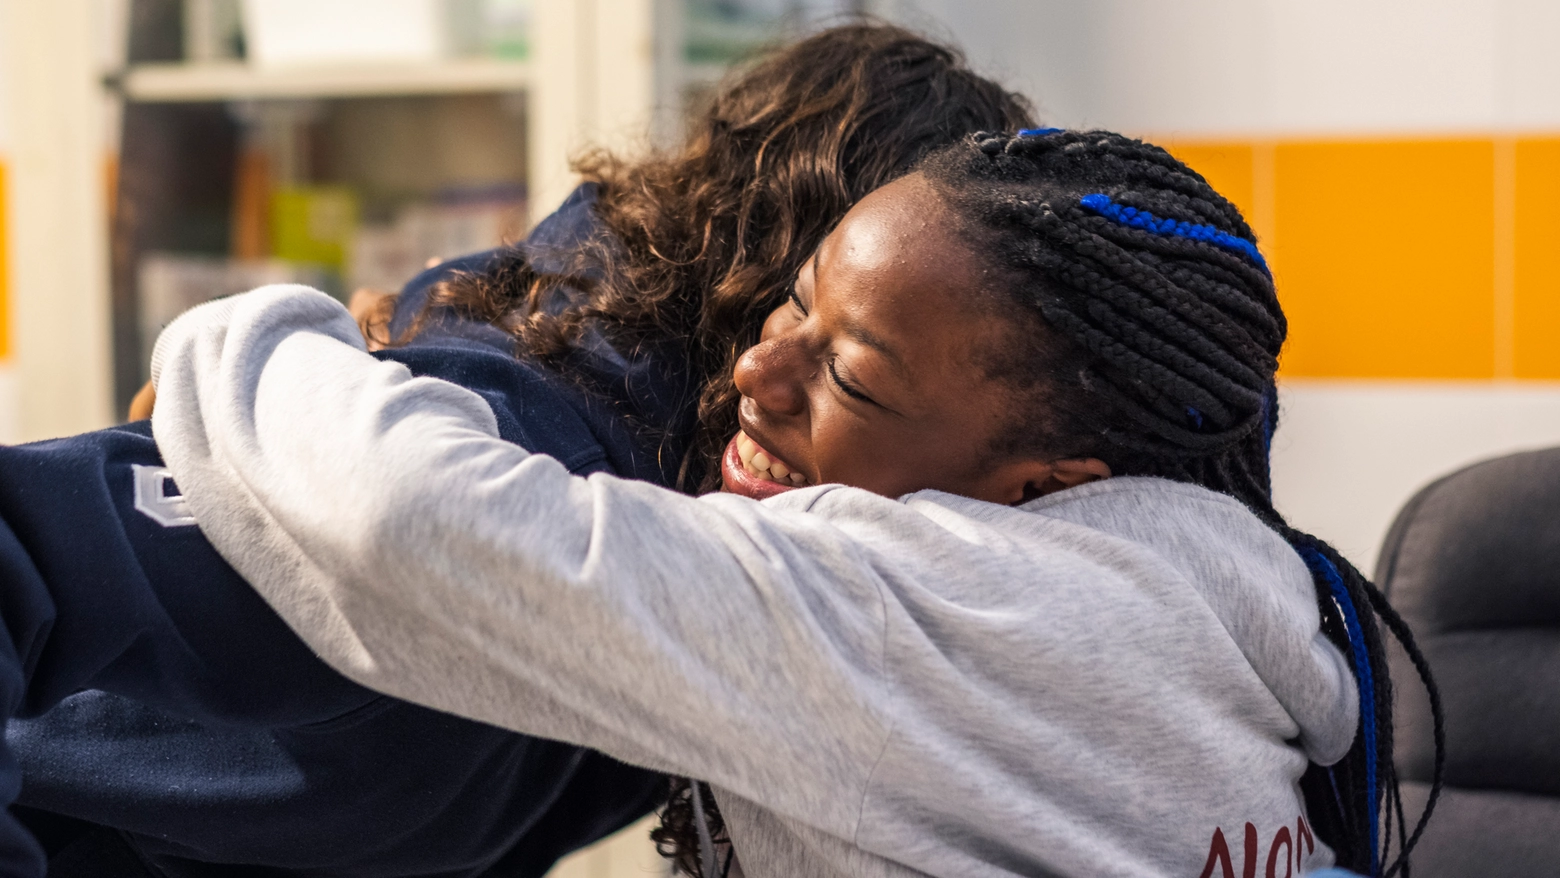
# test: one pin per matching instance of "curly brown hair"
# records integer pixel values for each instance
(703, 241)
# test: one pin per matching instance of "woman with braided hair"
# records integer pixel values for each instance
(995, 586)
(1161, 284)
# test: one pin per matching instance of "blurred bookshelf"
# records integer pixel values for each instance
(346, 144)
(235, 80)
(268, 142)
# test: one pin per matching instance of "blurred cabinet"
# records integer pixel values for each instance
(344, 143)
(54, 362)
(339, 153)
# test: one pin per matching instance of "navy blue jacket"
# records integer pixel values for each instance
(170, 722)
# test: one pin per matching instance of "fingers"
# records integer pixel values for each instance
(366, 301)
(372, 309)
(143, 402)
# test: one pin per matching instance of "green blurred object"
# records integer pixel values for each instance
(313, 224)
(490, 28)
(723, 31)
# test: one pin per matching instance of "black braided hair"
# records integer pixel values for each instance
(1160, 332)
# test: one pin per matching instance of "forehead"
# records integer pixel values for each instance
(899, 275)
(903, 229)
(898, 267)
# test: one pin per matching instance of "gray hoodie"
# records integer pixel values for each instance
(1121, 679)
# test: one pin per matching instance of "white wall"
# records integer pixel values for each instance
(1267, 66)
(1348, 454)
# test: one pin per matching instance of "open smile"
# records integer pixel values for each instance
(752, 471)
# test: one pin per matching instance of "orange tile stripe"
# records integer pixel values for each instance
(5, 272)
(1405, 259)
(1536, 269)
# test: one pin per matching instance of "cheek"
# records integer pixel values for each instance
(777, 322)
(893, 462)
(860, 453)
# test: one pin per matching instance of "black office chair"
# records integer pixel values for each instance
(1473, 564)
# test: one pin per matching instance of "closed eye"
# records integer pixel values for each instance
(796, 300)
(845, 387)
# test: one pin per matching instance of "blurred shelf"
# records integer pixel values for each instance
(704, 73)
(170, 83)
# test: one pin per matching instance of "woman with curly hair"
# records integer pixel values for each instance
(178, 728)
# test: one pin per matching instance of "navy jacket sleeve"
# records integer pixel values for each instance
(558, 245)
(641, 408)
(174, 705)
(172, 709)
(124, 594)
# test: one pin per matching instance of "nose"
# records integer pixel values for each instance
(772, 374)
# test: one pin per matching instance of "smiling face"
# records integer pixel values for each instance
(872, 374)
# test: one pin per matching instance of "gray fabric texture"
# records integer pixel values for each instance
(1091, 684)
(1473, 564)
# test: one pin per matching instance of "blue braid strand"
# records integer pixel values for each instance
(1142, 219)
(1269, 417)
(1039, 132)
(1323, 569)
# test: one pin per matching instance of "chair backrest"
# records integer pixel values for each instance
(1473, 564)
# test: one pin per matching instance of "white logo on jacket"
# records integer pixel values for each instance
(153, 501)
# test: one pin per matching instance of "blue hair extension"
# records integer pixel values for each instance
(1196, 417)
(1269, 417)
(1039, 132)
(1142, 219)
(1323, 569)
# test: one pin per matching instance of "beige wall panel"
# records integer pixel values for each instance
(593, 84)
(10, 428)
(59, 277)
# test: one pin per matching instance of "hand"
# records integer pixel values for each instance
(143, 402)
(372, 309)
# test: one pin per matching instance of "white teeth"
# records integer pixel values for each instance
(759, 463)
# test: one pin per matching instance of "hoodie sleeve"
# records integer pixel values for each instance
(194, 716)
(422, 556)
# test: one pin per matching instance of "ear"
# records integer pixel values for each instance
(1075, 471)
(1019, 481)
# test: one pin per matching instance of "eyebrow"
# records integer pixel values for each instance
(858, 333)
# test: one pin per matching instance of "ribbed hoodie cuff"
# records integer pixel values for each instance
(211, 313)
